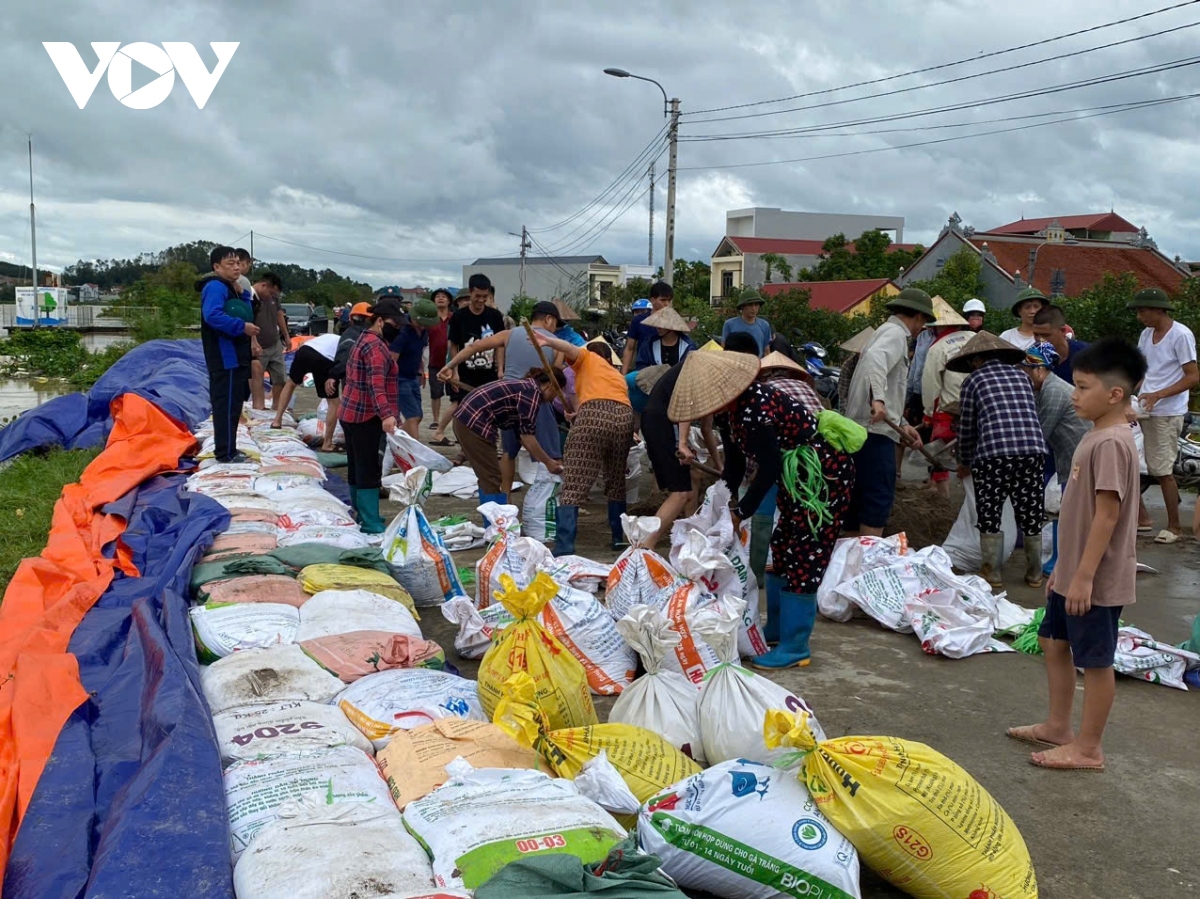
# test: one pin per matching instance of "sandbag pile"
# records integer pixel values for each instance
(917, 593)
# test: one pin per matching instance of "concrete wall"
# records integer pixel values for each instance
(542, 280)
(764, 221)
(999, 292)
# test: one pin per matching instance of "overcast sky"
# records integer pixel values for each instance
(425, 132)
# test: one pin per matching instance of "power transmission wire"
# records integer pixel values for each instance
(1155, 69)
(634, 166)
(945, 65)
(943, 140)
(633, 201)
(601, 214)
(621, 206)
(363, 256)
(945, 125)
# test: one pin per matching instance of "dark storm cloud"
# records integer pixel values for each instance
(429, 131)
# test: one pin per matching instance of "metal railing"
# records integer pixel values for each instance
(84, 317)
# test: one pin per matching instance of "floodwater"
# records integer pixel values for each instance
(19, 394)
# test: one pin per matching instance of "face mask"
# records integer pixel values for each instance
(390, 332)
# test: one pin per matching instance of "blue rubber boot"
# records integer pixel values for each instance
(774, 591)
(566, 521)
(797, 615)
(368, 510)
(499, 498)
(762, 523)
(1048, 568)
(616, 508)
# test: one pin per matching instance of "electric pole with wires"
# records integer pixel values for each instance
(650, 248)
(525, 245)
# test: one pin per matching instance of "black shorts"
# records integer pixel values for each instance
(308, 361)
(671, 474)
(1093, 636)
(437, 388)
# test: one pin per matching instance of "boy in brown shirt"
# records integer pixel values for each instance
(1097, 561)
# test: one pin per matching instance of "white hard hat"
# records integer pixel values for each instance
(973, 305)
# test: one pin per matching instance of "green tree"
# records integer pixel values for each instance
(1100, 311)
(776, 263)
(161, 305)
(960, 279)
(522, 308)
(690, 278)
(869, 256)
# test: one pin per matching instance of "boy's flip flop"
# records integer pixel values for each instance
(1165, 536)
(1054, 765)
(445, 441)
(1145, 528)
(1024, 734)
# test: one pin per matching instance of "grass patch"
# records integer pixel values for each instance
(30, 487)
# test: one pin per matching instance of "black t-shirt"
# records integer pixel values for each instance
(465, 328)
(670, 354)
(660, 396)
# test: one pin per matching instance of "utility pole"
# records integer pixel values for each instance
(650, 248)
(673, 137)
(37, 318)
(525, 245)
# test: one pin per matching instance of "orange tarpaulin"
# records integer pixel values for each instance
(49, 595)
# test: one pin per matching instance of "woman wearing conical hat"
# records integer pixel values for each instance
(807, 461)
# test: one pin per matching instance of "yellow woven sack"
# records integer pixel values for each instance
(922, 822)
(327, 576)
(559, 681)
(646, 762)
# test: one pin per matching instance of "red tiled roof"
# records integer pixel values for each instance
(836, 296)
(1083, 264)
(1101, 221)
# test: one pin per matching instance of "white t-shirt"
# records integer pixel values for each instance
(1017, 339)
(325, 344)
(1164, 365)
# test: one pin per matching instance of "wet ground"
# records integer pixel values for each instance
(1128, 832)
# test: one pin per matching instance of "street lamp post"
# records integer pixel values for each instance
(671, 111)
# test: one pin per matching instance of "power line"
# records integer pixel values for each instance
(946, 125)
(637, 165)
(958, 107)
(361, 255)
(943, 140)
(945, 65)
(622, 205)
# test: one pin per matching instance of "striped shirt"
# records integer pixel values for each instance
(510, 405)
(998, 415)
(372, 382)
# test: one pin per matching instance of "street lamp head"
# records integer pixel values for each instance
(616, 73)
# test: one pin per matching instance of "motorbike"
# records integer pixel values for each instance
(811, 355)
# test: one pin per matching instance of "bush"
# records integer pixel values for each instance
(44, 351)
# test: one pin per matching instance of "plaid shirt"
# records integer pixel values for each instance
(797, 390)
(999, 415)
(372, 382)
(510, 405)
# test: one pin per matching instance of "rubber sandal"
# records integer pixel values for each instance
(1024, 734)
(1166, 537)
(1053, 767)
(1145, 529)
(445, 441)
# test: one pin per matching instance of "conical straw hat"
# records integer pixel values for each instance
(859, 341)
(565, 312)
(648, 377)
(710, 381)
(985, 345)
(712, 347)
(668, 319)
(779, 360)
(947, 316)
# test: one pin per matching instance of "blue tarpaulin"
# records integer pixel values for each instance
(169, 373)
(131, 802)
